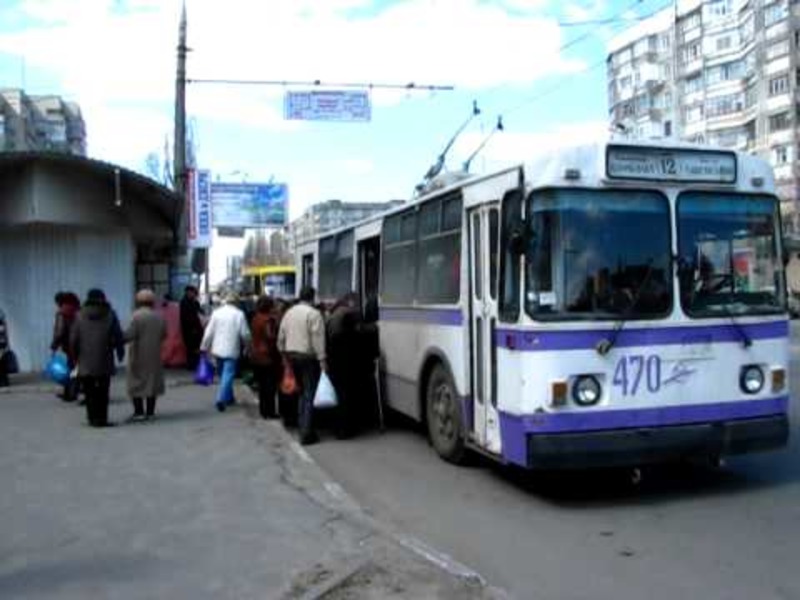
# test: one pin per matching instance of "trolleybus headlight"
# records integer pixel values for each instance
(586, 390)
(751, 379)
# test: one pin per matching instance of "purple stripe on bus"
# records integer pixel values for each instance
(433, 316)
(514, 428)
(583, 339)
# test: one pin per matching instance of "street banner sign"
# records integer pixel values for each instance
(249, 205)
(334, 105)
(198, 201)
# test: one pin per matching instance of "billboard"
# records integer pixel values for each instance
(198, 205)
(249, 205)
(344, 105)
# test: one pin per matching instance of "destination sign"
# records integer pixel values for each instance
(675, 164)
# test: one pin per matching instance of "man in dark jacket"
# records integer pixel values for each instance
(344, 349)
(94, 338)
(3, 350)
(191, 326)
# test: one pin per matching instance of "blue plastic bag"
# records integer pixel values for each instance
(204, 375)
(57, 368)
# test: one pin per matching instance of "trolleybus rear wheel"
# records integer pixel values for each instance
(443, 407)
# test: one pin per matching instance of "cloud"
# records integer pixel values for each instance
(505, 149)
(117, 57)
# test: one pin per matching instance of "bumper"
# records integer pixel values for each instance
(625, 447)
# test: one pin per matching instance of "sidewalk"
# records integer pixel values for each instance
(194, 505)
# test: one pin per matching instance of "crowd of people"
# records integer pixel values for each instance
(275, 339)
(303, 340)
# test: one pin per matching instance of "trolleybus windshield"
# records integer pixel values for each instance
(729, 262)
(598, 254)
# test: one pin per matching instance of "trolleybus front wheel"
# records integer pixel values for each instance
(443, 412)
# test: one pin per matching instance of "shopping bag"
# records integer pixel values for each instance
(289, 385)
(204, 375)
(57, 368)
(325, 397)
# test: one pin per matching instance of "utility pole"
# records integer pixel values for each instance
(179, 163)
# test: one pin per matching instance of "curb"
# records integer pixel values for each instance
(337, 499)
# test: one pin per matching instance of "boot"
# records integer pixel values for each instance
(138, 410)
(151, 407)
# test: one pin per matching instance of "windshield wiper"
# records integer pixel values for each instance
(606, 344)
(746, 340)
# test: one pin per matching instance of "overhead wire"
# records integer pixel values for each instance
(589, 69)
(569, 44)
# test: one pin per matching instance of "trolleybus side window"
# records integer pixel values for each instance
(438, 261)
(729, 260)
(598, 254)
(399, 258)
(510, 256)
(343, 264)
(335, 265)
(327, 267)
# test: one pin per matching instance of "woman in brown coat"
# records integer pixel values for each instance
(145, 335)
(264, 355)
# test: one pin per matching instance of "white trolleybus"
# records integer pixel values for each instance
(610, 304)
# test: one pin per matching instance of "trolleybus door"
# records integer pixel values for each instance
(483, 255)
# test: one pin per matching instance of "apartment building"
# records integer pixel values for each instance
(46, 123)
(332, 214)
(721, 72)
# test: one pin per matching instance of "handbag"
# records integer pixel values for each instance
(57, 369)
(204, 375)
(325, 396)
(288, 385)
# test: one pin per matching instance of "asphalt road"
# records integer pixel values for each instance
(686, 532)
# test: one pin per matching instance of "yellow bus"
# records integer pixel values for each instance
(273, 280)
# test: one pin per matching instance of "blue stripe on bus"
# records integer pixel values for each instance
(515, 428)
(432, 316)
(586, 339)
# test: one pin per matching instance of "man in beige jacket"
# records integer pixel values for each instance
(301, 339)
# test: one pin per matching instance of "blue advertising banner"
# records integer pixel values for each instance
(199, 198)
(249, 205)
(345, 105)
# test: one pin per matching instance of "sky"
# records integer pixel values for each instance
(538, 63)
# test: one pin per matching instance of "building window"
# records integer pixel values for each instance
(747, 30)
(689, 22)
(777, 49)
(779, 122)
(779, 85)
(724, 105)
(692, 114)
(780, 155)
(775, 12)
(693, 84)
(690, 52)
(718, 8)
(667, 128)
(723, 43)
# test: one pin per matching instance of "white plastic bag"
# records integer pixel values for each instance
(325, 396)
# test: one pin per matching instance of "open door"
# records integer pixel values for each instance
(484, 224)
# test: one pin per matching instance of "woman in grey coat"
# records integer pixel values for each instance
(145, 335)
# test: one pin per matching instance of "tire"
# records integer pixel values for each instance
(443, 416)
